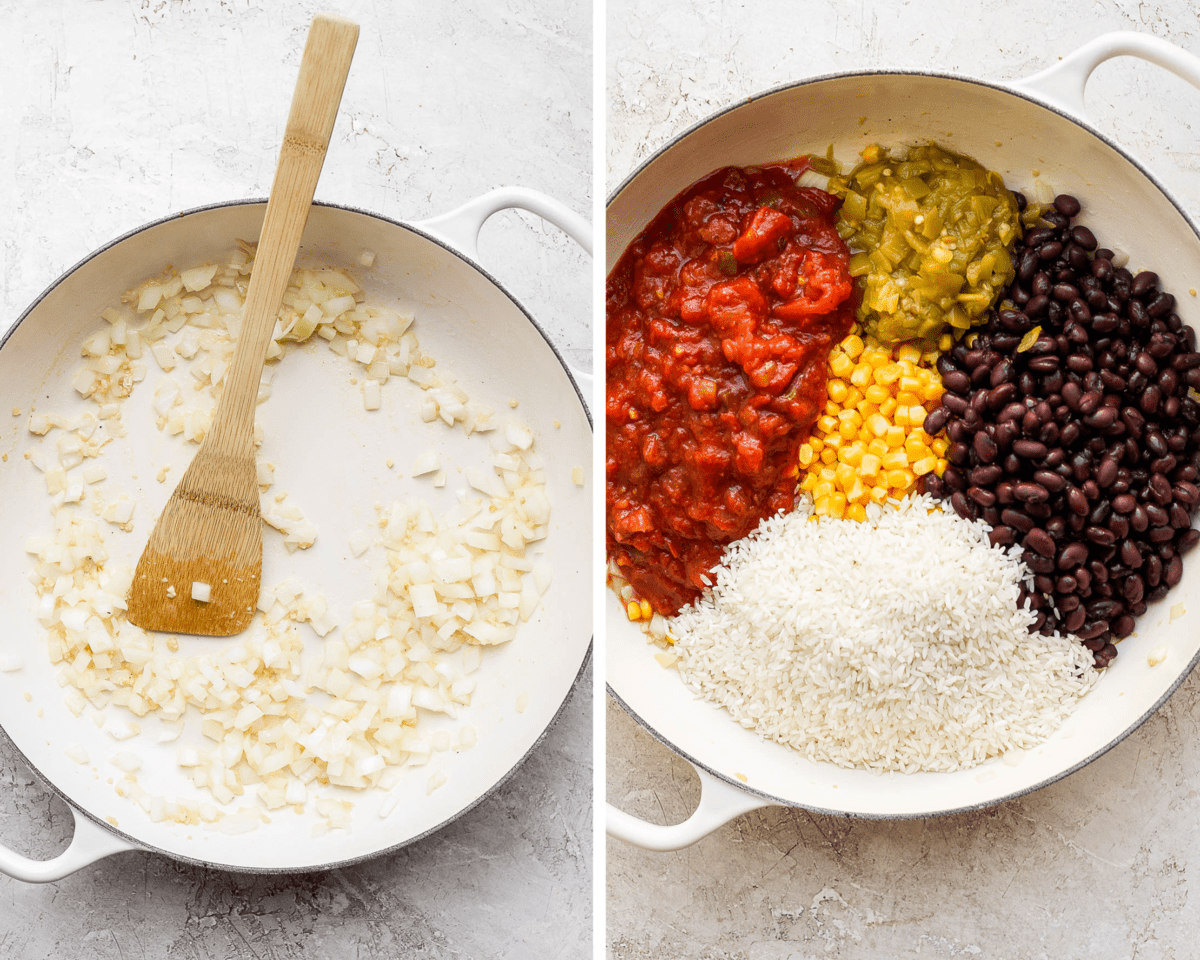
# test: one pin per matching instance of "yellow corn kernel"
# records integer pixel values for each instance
(827, 474)
(853, 396)
(856, 493)
(940, 445)
(945, 343)
(852, 453)
(917, 451)
(647, 610)
(848, 429)
(865, 409)
(841, 364)
(833, 442)
(827, 423)
(888, 407)
(895, 436)
(879, 494)
(821, 506)
(877, 447)
(899, 479)
(876, 358)
(924, 465)
(942, 464)
(907, 399)
(837, 504)
(829, 454)
(876, 394)
(845, 475)
(909, 353)
(887, 374)
(894, 459)
(878, 424)
(837, 390)
(809, 481)
(853, 346)
(917, 434)
(856, 511)
(832, 408)
(910, 383)
(933, 393)
(822, 490)
(900, 417)
(862, 375)
(806, 454)
(869, 467)
(633, 610)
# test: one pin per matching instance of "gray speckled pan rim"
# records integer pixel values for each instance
(770, 799)
(143, 846)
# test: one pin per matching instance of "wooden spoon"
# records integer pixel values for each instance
(200, 571)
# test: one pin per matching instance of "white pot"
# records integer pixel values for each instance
(1014, 129)
(331, 458)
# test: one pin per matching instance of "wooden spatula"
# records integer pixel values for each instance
(200, 571)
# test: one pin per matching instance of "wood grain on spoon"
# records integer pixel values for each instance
(210, 532)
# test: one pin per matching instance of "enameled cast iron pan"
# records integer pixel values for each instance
(1038, 124)
(331, 459)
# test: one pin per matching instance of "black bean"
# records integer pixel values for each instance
(1101, 536)
(1040, 541)
(1124, 503)
(956, 382)
(1160, 489)
(985, 447)
(1050, 250)
(1072, 555)
(1067, 205)
(962, 506)
(1173, 572)
(1017, 519)
(1143, 283)
(1084, 237)
(935, 421)
(985, 498)
(1002, 536)
(1029, 449)
(1031, 493)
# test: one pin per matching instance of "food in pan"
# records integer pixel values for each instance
(1010, 392)
(721, 315)
(271, 717)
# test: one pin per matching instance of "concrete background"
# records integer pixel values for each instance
(1095, 866)
(124, 111)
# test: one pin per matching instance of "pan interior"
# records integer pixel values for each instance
(1125, 208)
(331, 458)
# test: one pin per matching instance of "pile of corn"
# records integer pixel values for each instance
(870, 444)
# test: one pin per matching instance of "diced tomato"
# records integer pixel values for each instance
(761, 237)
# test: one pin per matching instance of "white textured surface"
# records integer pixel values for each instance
(1095, 866)
(124, 111)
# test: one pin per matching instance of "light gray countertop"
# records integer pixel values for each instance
(124, 111)
(1097, 865)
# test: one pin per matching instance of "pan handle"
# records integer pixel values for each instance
(1061, 85)
(90, 843)
(719, 803)
(460, 228)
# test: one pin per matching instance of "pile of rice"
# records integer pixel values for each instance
(893, 644)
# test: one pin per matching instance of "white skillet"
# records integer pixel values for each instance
(1038, 124)
(331, 459)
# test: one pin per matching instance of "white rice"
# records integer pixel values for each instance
(892, 644)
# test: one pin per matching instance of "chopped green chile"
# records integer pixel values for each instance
(933, 231)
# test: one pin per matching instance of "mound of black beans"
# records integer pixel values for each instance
(1083, 448)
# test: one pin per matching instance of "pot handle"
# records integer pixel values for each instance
(460, 228)
(719, 803)
(1061, 85)
(90, 843)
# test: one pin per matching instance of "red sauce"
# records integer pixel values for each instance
(721, 316)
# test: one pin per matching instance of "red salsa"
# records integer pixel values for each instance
(720, 319)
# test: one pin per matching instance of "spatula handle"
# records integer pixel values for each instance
(323, 70)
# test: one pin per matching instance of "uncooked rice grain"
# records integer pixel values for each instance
(891, 644)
